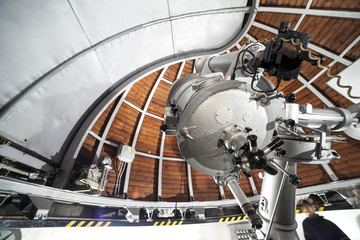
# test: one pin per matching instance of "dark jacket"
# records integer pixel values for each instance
(318, 228)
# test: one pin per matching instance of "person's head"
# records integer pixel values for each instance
(308, 208)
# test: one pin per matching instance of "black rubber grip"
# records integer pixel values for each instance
(270, 169)
(253, 140)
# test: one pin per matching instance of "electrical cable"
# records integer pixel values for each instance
(242, 60)
(117, 170)
(177, 196)
(268, 91)
(119, 174)
(318, 62)
(250, 72)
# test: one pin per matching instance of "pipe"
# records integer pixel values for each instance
(244, 204)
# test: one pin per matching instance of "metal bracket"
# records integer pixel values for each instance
(132, 214)
(200, 213)
(42, 207)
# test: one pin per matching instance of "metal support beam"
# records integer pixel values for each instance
(310, 45)
(167, 81)
(315, 91)
(181, 68)
(161, 166)
(105, 141)
(308, 5)
(157, 157)
(222, 193)
(138, 128)
(191, 191)
(14, 186)
(142, 111)
(110, 122)
(314, 12)
(253, 186)
(330, 172)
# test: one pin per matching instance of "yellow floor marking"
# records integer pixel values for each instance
(232, 219)
(239, 218)
(80, 223)
(321, 209)
(89, 224)
(174, 223)
(98, 224)
(162, 223)
(107, 224)
(245, 217)
(70, 224)
(168, 223)
(156, 223)
(180, 222)
(227, 219)
(221, 219)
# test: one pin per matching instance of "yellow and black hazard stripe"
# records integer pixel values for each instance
(88, 224)
(167, 223)
(230, 219)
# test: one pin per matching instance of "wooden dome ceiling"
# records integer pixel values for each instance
(158, 170)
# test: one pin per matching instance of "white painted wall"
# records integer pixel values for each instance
(347, 220)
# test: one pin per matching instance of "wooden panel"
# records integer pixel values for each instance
(234, 49)
(243, 41)
(150, 136)
(260, 34)
(309, 71)
(87, 152)
(171, 148)
(333, 34)
(141, 90)
(244, 184)
(348, 5)
(110, 151)
(335, 97)
(284, 3)
(188, 68)
(174, 181)
(285, 86)
(124, 126)
(158, 101)
(348, 166)
(274, 19)
(143, 179)
(312, 174)
(100, 124)
(290, 86)
(306, 96)
(172, 72)
(354, 53)
(204, 187)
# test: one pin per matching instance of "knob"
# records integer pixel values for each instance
(291, 97)
(163, 127)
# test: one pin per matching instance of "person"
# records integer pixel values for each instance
(318, 228)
